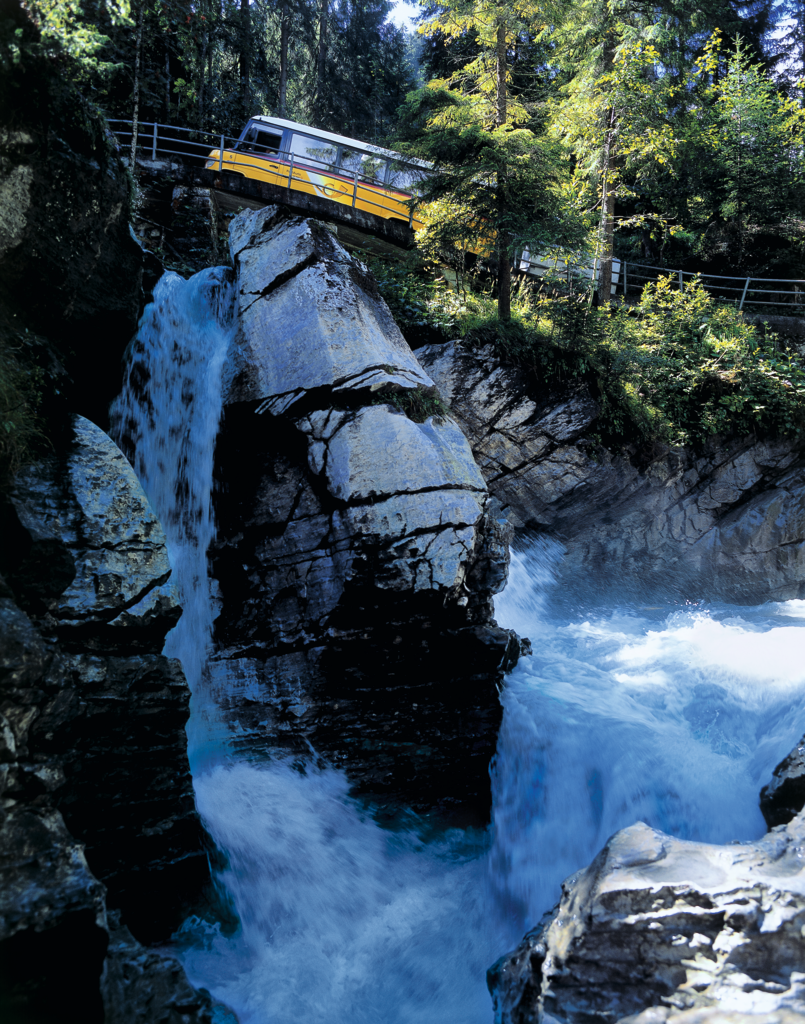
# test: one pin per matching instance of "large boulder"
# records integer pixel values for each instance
(358, 548)
(727, 522)
(96, 799)
(94, 715)
(657, 925)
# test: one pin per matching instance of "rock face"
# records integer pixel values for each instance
(358, 549)
(656, 920)
(728, 524)
(96, 793)
(784, 797)
(69, 266)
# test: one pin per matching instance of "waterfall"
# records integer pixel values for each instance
(167, 420)
(673, 715)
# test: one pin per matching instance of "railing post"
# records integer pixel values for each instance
(746, 288)
(354, 188)
(154, 144)
(221, 156)
(290, 172)
(681, 282)
(625, 279)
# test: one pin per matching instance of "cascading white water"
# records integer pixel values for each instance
(675, 716)
(168, 414)
(671, 716)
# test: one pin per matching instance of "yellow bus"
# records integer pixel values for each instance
(333, 167)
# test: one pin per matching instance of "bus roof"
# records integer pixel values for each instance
(341, 140)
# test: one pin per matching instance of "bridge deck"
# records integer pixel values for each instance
(353, 223)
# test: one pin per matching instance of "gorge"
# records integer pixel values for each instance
(350, 684)
(673, 714)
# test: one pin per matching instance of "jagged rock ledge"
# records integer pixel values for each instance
(96, 798)
(726, 523)
(660, 929)
(358, 549)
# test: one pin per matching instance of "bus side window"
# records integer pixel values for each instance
(368, 166)
(404, 176)
(319, 152)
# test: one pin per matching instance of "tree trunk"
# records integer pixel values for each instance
(285, 31)
(606, 232)
(245, 45)
(202, 64)
(138, 49)
(500, 77)
(321, 62)
(167, 81)
(504, 238)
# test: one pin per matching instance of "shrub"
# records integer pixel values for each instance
(678, 368)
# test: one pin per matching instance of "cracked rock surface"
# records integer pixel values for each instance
(661, 927)
(96, 801)
(728, 522)
(358, 550)
(784, 797)
(310, 316)
(86, 510)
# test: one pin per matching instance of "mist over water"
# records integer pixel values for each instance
(671, 715)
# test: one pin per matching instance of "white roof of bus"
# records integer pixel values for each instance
(340, 140)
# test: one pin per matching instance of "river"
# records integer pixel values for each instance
(672, 715)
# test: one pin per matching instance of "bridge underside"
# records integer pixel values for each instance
(355, 225)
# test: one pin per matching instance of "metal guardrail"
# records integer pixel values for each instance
(632, 277)
(745, 287)
(157, 141)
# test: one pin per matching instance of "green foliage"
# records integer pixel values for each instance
(413, 295)
(677, 368)
(418, 404)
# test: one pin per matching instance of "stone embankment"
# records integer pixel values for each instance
(660, 929)
(726, 523)
(97, 802)
(358, 546)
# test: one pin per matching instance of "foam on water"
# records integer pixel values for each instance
(168, 416)
(341, 922)
(675, 716)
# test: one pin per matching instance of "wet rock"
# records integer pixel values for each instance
(310, 316)
(93, 715)
(45, 874)
(784, 797)
(147, 986)
(728, 522)
(85, 510)
(656, 921)
(711, 1015)
(358, 549)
